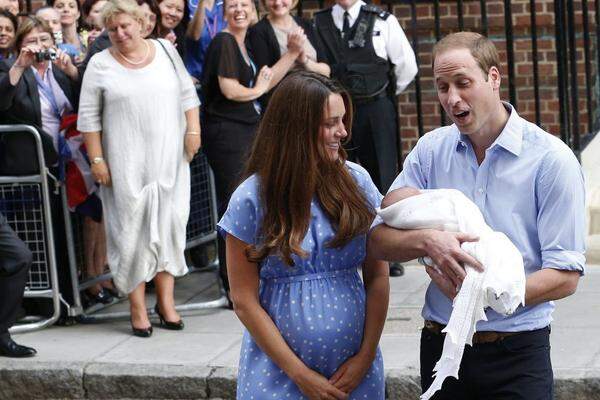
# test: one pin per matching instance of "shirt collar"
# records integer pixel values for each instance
(353, 11)
(48, 69)
(511, 137)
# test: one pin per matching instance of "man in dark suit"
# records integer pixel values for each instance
(15, 260)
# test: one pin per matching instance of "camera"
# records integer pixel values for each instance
(48, 54)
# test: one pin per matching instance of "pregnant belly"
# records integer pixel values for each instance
(321, 320)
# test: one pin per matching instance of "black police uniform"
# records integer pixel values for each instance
(369, 80)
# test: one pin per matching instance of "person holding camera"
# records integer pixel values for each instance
(39, 86)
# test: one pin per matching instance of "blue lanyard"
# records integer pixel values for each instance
(64, 152)
(48, 94)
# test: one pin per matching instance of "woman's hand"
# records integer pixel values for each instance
(101, 173)
(302, 58)
(172, 37)
(65, 64)
(26, 56)
(316, 387)
(351, 372)
(191, 145)
(296, 40)
(263, 79)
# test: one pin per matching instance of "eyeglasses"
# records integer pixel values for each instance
(42, 39)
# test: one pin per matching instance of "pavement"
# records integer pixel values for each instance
(104, 361)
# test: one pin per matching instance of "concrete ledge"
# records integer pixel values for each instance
(24, 380)
(222, 383)
(402, 384)
(117, 381)
(20, 379)
(577, 389)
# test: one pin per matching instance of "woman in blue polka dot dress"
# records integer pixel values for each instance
(296, 234)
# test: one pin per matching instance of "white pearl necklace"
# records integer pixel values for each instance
(136, 62)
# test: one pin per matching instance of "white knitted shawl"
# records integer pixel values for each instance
(500, 286)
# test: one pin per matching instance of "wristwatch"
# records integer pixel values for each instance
(97, 160)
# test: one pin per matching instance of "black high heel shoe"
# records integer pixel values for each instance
(174, 326)
(141, 332)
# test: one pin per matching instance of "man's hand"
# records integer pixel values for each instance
(442, 282)
(444, 250)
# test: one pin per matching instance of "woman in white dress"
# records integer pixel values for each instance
(139, 112)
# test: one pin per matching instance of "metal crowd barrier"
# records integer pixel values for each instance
(25, 202)
(201, 229)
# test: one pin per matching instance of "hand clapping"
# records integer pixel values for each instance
(296, 40)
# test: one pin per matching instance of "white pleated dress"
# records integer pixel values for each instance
(140, 113)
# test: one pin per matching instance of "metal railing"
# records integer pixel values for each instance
(25, 202)
(201, 229)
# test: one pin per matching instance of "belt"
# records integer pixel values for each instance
(365, 100)
(478, 338)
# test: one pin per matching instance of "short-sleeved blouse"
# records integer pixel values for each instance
(318, 305)
(224, 58)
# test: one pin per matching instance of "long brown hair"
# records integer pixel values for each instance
(293, 167)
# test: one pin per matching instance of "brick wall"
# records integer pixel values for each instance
(548, 91)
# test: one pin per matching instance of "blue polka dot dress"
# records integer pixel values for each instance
(318, 305)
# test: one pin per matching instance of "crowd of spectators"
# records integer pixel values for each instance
(68, 49)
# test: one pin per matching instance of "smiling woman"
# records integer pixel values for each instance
(295, 232)
(283, 41)
(8, 27)
(70, 20)
(174, 18)
(141, 156)
(231, 85)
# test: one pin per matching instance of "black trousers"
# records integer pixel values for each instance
(374, 140)
(515, 368)
(227, 145)
(16, 257)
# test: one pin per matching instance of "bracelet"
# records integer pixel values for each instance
(193, 133)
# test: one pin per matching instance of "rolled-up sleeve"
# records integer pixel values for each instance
(561, 212)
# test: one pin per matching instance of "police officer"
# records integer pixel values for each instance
(369, 54)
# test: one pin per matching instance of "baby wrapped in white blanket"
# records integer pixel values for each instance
(500, 286)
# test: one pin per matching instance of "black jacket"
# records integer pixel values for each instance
(265, 48)
(20, 104)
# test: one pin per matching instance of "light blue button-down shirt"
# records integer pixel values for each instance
(529, 186)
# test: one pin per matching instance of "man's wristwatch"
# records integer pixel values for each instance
(97, 160)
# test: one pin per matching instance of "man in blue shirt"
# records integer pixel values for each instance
(528, 185)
